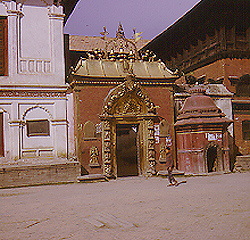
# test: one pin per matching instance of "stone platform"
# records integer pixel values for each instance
(25, 174)
(242, 163)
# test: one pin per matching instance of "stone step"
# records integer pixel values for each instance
(175, 173)
(92, 178)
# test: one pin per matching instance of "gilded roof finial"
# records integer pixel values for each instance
(137, 36)
(120, 32)
(104, 33)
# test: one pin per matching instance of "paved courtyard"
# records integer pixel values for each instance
(209, 207)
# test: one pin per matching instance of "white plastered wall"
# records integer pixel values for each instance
(36, 64)
(35, 44)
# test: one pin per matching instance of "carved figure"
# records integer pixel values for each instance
(129, 106)
(107, 135)
(94, 153)
(151, 144)
(151, 133)
(163, 153)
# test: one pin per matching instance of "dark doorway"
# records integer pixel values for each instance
(211, 159)
(126, 150)
(1, 136)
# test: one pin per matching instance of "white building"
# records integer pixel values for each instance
(33, 98)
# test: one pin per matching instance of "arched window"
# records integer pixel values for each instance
(89, 130)
(37, 122)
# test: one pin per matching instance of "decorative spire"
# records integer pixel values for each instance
(120, 33)
(120, 48)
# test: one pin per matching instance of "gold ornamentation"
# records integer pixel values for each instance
(129, 106)
(129, 86)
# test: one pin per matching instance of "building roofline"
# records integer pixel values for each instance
(206, 11)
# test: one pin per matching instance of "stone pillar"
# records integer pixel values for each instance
(106, 149)
(151, 148)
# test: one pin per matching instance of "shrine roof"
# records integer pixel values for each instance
(88, 43)
(218, 90)
(200, 109)
(106, 68)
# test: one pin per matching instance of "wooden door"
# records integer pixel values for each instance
(126, 150)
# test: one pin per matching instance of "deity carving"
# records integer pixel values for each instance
(106, 125)
(151, 133)
(151, 155)
(128, 87)
(151, 144)
(94, 155)
(107, 157)
(163, 153)
(128, 106)
(151, 169)
(106, 146)
(106, 135)
(108, 170)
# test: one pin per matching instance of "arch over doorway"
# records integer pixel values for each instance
(128, 118)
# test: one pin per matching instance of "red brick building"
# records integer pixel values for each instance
(211, 44)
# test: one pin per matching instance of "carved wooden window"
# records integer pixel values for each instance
(3, 46)
(38, 128)
(246, 130)
(243, 90)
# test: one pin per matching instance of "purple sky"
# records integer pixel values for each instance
(148, 16)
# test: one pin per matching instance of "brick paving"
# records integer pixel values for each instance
(209, 207)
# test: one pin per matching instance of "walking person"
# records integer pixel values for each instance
(171, 179)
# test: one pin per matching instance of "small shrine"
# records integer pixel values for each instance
(202, 135)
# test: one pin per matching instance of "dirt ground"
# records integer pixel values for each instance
(209, 207)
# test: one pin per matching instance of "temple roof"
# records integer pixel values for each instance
(106, 68)
(200, 109)
(117, 57)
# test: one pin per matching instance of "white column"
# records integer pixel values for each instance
(14, 14)
(57, 45)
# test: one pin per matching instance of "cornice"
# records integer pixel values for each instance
(31, 94)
